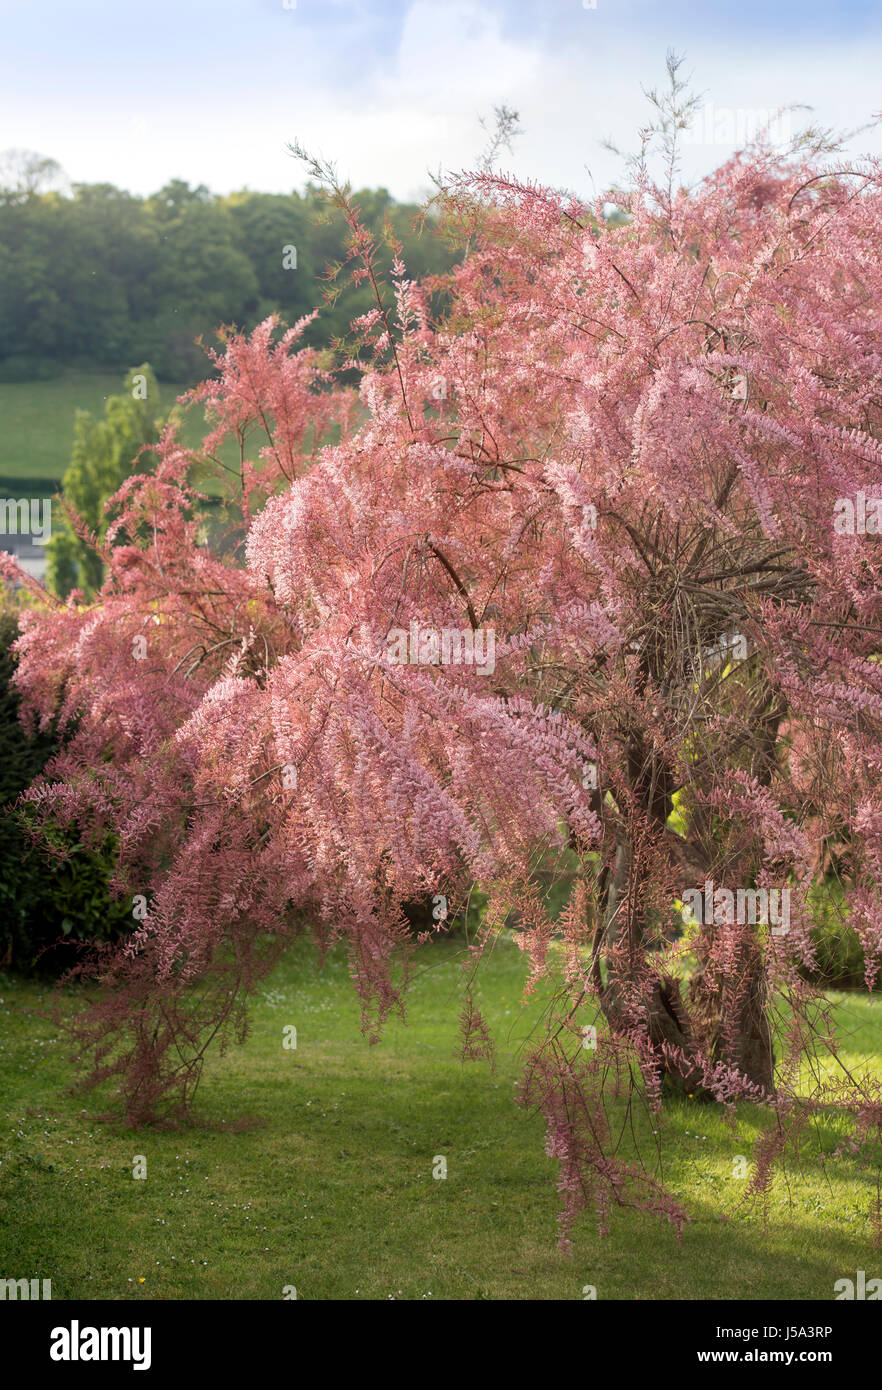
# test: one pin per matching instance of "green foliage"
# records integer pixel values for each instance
(104, 453)
(19, 367)
(838, 950)
(43, 901)
(21, 759)
(103, 277)
(38, 420)
(264, 225)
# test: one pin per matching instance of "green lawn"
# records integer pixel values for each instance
(38, 419)
(329, 1186)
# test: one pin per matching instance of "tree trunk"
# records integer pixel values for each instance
(731, 1027)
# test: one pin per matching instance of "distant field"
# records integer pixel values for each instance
(37, 419)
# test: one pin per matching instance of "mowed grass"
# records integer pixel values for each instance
(313, 1167)
(38, 418)
(38, 423)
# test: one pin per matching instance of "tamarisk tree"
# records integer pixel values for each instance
(568, 575)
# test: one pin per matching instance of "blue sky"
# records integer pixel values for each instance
(212, 90)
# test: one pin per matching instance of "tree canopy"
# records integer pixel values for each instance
(99, 276)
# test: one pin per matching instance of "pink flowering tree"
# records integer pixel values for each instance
(583, 574)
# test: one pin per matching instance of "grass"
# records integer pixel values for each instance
(38, 419)
(38, 423)
(329, 1186)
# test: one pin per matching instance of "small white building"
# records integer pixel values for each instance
(30, 555)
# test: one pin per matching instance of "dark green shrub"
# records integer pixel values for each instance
(839, 953)
(18, 367)
(47, 905)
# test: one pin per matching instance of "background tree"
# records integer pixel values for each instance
(265, 224)
(105, 452)
(43, 915)
(101, 276)
(24, 174)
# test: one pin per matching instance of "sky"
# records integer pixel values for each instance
(213, 91)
